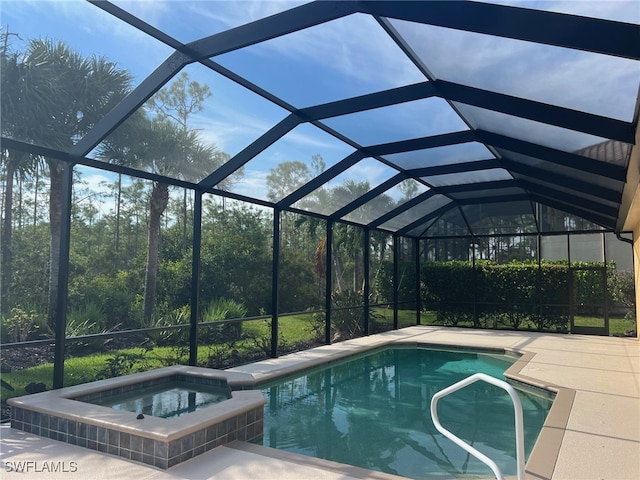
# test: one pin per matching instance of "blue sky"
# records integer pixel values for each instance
(350, 56)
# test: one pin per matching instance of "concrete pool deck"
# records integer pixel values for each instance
(595, 434)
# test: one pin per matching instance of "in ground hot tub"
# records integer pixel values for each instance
(87, 415)
(167, 397)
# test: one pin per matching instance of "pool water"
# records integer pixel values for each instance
(166, 400)
(373, 412)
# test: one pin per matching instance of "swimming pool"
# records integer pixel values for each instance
(372, 411)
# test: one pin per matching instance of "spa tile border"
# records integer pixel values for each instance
(246, 426)
(163, 443)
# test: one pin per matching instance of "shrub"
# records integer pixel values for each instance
(448, 288)
(21, 325)
(347, 316)
(551, 317)
(222, 309)
(622, 289)
(113, 294)
(86, 320)
(382, 285)
(518, 294)
(123, 363)
(170, 336)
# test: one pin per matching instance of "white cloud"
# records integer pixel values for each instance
(367, 170)
(151, 11)
(98, 182)
(312, 139)
(354, 47)
(253, 184)
(93, 190)
(229, 129)
(233, 13)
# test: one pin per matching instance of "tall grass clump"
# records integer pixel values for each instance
(218, 310)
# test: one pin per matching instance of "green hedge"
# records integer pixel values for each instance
(517, 295)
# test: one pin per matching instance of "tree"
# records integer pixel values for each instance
(173, 149)
(15, 79)
(286, 178)
(347, 239)
(409, 188)
(57, 97)
(177, 103)
(171, 152)
(158, 138)
(89, 88)
(237, 256)
(123, 147)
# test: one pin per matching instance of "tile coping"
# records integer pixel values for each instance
(62, 404)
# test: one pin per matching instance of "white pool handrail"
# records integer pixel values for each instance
(461, 443)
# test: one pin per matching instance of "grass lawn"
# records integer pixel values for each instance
(618, 326)
(406, 318)
(293, 329)
(81, 369)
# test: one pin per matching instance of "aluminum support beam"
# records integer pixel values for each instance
(420, 143)
(289, 21)
(562, 30)
(523, 172)
(370, 195)
(262, 143)
(371, 101)
(421, 221)
(275, 283)
(366, 250)
(416, 259)
(63, 277)
(539, 112)
(402, 208)
(602, 220)
(396, 283)
(462, 167)
(572, 160)
(195, 278)
(328, 291)
(143, 92)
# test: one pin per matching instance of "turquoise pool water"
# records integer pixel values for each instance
(167, 400)
(373, 411)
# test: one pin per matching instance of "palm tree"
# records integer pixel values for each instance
(348, 240)
(183, 98)
(16, 79)
(58, 97)
(165, 146)
(170, 151)
(175, 150)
